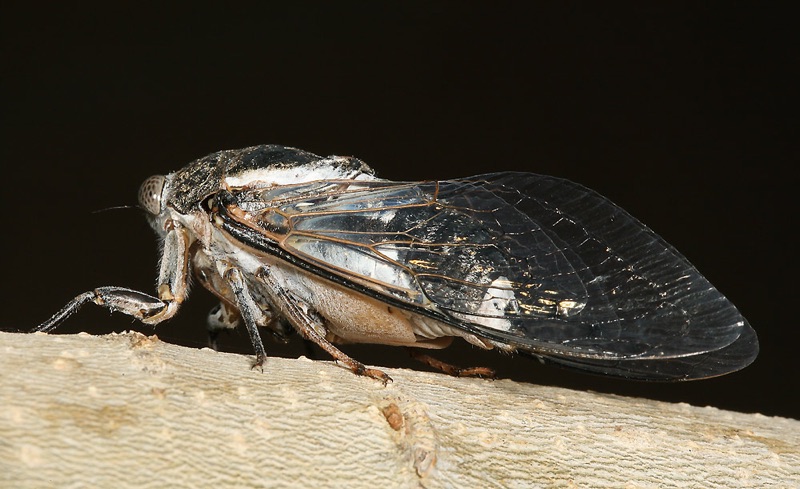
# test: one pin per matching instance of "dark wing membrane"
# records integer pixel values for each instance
(735, 356)
(646, 302)
(538, 262)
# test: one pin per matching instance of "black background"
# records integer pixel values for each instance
(684, 114)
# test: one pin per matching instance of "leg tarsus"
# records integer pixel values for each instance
(378, 375)
(360, 369)
(450, 369)
(259, 363)
(65, 312)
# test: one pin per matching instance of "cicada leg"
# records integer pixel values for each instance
(250, 312)
(131, 302)
(311, 326)
(450, 369)
(172, 289)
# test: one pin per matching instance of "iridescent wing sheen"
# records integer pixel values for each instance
(537, 262)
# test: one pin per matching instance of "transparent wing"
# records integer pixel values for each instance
(535, 261)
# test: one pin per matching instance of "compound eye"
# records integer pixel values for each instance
(150, 194)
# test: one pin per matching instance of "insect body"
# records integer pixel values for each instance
(513, 261)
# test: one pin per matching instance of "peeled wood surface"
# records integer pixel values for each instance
(131, 411)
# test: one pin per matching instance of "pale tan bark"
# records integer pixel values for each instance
(131, 411)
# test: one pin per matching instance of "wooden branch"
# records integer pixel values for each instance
(131, 411)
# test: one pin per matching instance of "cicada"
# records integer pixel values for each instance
(517, 262)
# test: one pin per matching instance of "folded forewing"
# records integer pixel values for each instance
(534, 261)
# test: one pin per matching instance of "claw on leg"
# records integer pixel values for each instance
(259, 363)
(379, 375)
(359, 368)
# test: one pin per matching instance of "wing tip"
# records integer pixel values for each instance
(731, 358)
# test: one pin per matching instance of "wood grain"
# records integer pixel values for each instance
(131, 411)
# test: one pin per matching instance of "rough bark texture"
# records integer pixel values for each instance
(131, 411)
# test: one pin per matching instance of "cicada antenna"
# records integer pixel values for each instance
(113, 208)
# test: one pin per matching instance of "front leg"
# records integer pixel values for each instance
(131, 302)
(144, 307)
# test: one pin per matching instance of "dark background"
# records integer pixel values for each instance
(684, 114)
